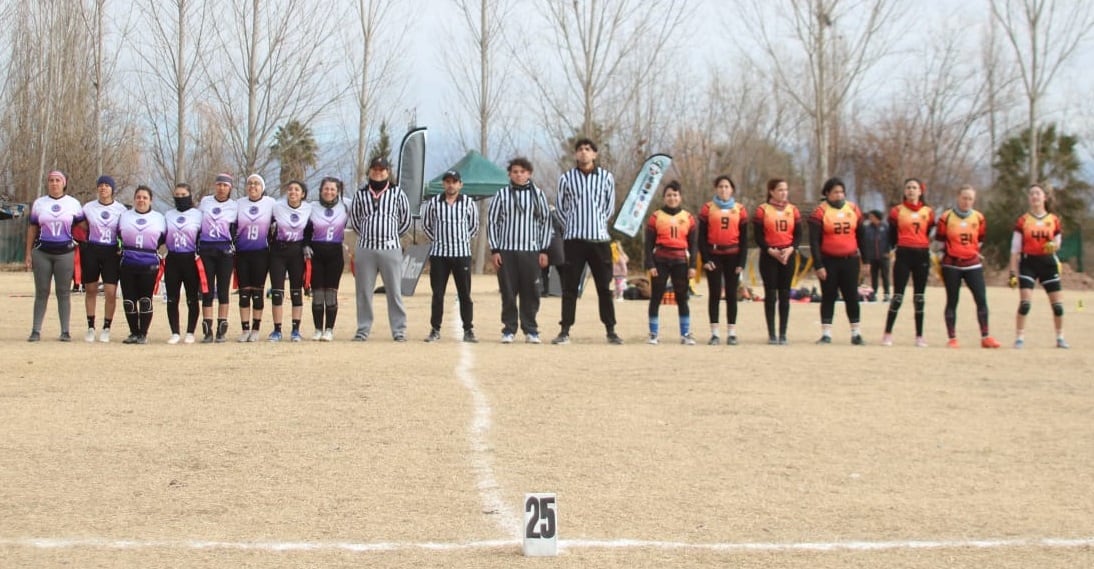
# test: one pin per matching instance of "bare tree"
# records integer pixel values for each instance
(170, 81)
(1044, 35)
(270, 66)
(832, 44)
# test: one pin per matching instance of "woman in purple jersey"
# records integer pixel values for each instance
(253, 254)
(325, 249)
(287, 256)
(181, 264)
(49, 251)
(142, 231)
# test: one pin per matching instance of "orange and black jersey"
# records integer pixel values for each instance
(671, 235)
(962, 236)
(835, 231)
(723, 231)
(911, 225)
(1036, 232)
(776, 226)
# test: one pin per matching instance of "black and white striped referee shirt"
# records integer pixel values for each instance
(379, 220)
(519, 220)
(450, 225)
(586, 202)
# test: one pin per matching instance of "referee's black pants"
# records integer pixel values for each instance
(518, 278)
(460, 269)
(598, 255)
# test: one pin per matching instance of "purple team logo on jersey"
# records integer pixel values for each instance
(105, 215)
(180, 220)
(253, 210)
(56, 208)
(216, 211)
(328, 213)
(294, 218)
(141, 221)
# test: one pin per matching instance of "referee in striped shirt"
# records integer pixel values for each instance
(519, 233)
(450, 221)
(380, 214)
(586, 199)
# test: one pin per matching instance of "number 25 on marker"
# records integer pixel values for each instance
(540, 525)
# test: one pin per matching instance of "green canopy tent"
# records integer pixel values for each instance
(481, 177)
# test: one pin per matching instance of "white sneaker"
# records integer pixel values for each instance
(90, 336)
(687, 339)
(507, 338)
(253, 337)
(189, 339)
(652, 340)
(328, 335)
(245, 336)
(104, 336)
(532, 339)
(317, 336)
(174, 339)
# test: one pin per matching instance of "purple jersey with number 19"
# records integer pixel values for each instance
(253, 223)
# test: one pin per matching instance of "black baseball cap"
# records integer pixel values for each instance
(451, 174)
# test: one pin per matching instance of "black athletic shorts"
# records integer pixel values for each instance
(99, 260)
(1039, 268)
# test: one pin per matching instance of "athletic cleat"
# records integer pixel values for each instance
(989, 342)
(244, 337)
(886, 339)
(561, 340)
(65, 337)
(328, 335)
(614, 339)
(920, 342)
(772, 341)
(222, 332)
(687, 339)
(295, 336)
(434, 336)
(274, 336)
(952, 343)
(714, 341)
(532, 339)
(825, 339)
(142, 339)
(1019, 344)
(207, 338)
(90, 336)
(508, 338)
(399, 338)
(652, 339)
(469, 337)
(782, 341)
(174, 339)
(731, 341)
(254, 336)
(189, 339)
(1062, 344)
(317, 336)
(104, 336)
(360, 337)
(130, 339)
(35, 336)
(856, 340)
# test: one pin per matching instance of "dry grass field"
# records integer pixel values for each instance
(394, 455)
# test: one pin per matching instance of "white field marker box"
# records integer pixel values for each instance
(540, 525)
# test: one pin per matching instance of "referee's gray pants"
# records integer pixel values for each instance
(388, 263)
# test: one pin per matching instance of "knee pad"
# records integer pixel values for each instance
(919, 301)
(244, 299)
(296, 297)
(332, 298)
(897, 300)
(129, 307)
(259, 301)
(144, 305)
(1057, 309)
(277, 297)
(1023, 307)
(317, 298)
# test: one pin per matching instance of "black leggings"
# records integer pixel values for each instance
(137, 287)
(842, 278)
(725, 270)
(915, 263)
(679, 273)
(287, 258)
(777, 278)
(218, 273)
(974, 278)
(181, 269)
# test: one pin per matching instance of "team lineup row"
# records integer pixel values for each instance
(257, 237)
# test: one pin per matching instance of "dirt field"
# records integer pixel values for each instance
(395, 455)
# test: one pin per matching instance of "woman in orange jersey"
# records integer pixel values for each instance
(778, 234)
(671, 239)
(834, 234)
(723, 231)
(911, 221)
(961, 231)
(1033, 259)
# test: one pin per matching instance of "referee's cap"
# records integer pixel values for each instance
(451, 174)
